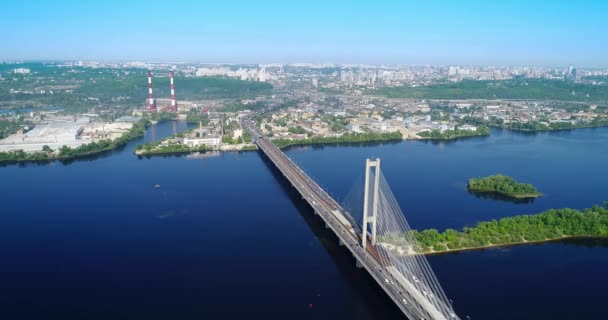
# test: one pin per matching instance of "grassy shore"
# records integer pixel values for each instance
(347, 138)
(550, 225)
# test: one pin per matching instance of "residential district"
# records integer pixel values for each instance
(86, 102)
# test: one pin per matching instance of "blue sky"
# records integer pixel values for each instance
(550, 33)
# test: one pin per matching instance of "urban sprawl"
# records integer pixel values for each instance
(52, 107)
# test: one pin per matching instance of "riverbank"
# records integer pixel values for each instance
(512, 195)
(183, 149)
(550, 225)
(549, 129)
(67, 153)
(454, 134)
(503, 185)
(347, 138)
(493, 246)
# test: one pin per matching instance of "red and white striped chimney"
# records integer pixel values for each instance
(173, 102)
(152, 105)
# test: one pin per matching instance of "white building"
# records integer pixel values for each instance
(21, 71)
(213, 141)
(468, 127)
(237, 133)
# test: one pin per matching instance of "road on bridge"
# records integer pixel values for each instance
(399, 288)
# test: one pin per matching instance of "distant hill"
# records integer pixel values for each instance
(530, 89)
(185, 88)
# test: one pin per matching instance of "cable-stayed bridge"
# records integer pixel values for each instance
(383, 244)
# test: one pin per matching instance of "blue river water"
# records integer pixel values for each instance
(225, 237)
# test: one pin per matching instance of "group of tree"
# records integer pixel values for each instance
(345, 138)
(456, 133)
(549, 225)
(297, 130)
(504, 185)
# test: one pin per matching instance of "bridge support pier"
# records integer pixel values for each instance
(367, 218)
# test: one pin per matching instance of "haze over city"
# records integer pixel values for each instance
(543, 33)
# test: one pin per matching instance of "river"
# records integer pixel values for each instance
(225, 237)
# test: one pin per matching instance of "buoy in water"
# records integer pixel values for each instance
(157, 186)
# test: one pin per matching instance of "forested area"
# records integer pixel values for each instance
(502, 184)
(345, 138)
(534, 89)
(454, 134)
(549, 225)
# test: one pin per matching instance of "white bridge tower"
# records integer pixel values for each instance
(373, 194)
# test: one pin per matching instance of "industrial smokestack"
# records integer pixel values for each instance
(152, 104)
(173, 102)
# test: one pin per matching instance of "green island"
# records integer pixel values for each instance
(454, 134)
(503, 185)
(520, 88)
(345, 138)
(553, 224)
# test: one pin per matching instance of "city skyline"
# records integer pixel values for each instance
(467, 33)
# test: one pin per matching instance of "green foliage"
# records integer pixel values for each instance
(537, 126)
(504, 185)
(345, 138)
(537, 89)
(297, 130)
(454, 134)
(157, 149)
(8, 127)
(548, 225)
(239, 106)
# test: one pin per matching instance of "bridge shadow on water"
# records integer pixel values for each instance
(370, 300)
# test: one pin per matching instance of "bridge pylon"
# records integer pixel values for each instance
(372, 171)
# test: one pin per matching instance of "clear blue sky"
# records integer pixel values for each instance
(406, 32)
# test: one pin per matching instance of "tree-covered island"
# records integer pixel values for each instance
(546, 226)
(455, 133)
(503, 185)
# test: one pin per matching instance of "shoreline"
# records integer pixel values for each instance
(511, 195)
(510, 244)
(185, 152)
(300, 144)
(449, 139)
(549, 130)
(123, 140)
